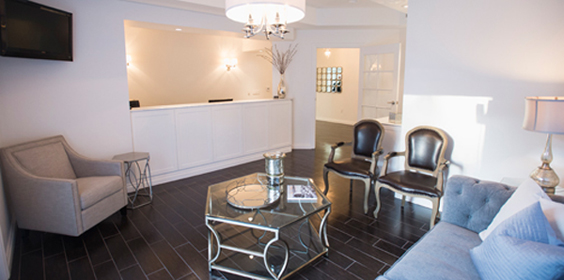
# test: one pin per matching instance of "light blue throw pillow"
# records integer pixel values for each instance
(522, 247)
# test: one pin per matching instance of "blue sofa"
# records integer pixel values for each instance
(444, 252)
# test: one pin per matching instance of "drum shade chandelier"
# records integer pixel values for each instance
(268, 16)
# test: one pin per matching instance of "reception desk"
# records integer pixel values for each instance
(192, 139)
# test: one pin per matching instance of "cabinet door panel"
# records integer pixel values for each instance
(194, 137)
(154, 132)
(280, 124)
(227, 132)
(255, 128)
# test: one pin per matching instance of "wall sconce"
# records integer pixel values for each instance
(230, 63)
(128, 59)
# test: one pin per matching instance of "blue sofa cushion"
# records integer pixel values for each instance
(522, 247)
(473, 203)
(444, 253)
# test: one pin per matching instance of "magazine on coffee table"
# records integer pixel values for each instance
(301, 193)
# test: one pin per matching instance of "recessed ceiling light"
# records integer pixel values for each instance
(178, 29)
(405, 6)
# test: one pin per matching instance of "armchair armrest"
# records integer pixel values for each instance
(387, 158)
(471, 203)
(374, 163)
(40, 203)
(444, 163)
(334, 147)
(86, 167)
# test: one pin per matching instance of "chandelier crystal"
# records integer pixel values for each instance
(268, 16)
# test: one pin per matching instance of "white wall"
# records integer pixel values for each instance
(301, 74)
(470, 64)
(339, 107)
(171, 67)
(7, 236)
(85, 100)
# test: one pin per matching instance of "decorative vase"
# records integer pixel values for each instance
(281, 92)
(274, 165)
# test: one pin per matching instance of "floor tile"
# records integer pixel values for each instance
(168, 238)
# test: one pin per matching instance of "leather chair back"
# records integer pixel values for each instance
(425, 148)
(368, 136)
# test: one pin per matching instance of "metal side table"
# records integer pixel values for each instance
(139, 178)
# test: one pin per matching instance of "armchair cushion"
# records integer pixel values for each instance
(48, 160)
(412, 182)
(40, 181)
(94, 189)
(351, 167)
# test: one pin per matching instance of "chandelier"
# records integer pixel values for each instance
(267, 16)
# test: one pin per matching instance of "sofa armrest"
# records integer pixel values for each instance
(471, 203)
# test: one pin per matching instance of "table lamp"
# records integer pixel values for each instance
(545, 114)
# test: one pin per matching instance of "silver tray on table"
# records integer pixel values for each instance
(252, 196)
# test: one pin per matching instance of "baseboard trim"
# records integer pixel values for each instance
(337, 121)
(304, 147)
(206, 168)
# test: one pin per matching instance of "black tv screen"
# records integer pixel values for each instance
(33, 30)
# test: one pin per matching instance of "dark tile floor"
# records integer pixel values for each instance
(168, 239)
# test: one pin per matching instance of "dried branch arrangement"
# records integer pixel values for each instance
(280, 60)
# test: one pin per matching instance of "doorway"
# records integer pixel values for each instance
(359, 83)
(371, 87)
(381, 95)
(337, 77)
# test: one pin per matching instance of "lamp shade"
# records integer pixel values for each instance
(544, 114)
(288, 10)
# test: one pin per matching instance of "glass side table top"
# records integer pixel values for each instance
(275, 210)
(131, 157)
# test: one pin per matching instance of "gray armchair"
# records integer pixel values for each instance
(51, 188)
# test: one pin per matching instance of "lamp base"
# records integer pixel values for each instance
(545, 177)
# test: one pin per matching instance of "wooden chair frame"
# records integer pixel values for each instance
(438, 173)
(368, 182)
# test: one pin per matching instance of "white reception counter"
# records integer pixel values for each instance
(192, 139)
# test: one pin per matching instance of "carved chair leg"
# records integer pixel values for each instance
(366, 194)
(378, 204)
(435, 202)
(350, 188)
(326, 180)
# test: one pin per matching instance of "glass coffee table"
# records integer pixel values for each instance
(256, 231)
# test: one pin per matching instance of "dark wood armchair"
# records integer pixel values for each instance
(424, 154)
(362, 165)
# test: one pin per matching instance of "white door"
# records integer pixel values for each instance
(379, 83)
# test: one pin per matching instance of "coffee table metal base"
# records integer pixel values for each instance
(215, 237)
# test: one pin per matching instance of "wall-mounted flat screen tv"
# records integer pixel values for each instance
(32, 30)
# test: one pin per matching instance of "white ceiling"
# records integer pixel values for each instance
(320, 14)
(341, 3)
(394, 4)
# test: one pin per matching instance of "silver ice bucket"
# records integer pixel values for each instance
(274, 165)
